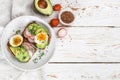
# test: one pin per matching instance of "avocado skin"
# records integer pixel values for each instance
(20, 53)
(47, 11)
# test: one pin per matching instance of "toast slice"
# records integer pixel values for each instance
(31, 30)
(22, 53)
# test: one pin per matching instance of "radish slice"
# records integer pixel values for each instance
(62, 32)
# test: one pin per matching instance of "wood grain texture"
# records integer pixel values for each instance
(86, 44)
(93, 12)
(87, 12)
(81, 72)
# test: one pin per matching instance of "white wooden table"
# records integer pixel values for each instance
(90, 51)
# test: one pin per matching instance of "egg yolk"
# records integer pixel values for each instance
(16, 40)
(41, 36)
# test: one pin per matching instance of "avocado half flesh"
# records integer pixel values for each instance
(43, 6)
(20, 53)
(42, 45)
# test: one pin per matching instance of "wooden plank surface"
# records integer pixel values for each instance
(88, 44)
(81, 72)
(87, 12)
(63, 72)
(83, 44)
(83, 53)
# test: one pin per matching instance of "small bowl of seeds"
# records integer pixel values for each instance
(66, 17)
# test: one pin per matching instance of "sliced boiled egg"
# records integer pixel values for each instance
(16, 40)
(40, 37)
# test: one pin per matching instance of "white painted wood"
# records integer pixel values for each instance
(87, 12)
(88, 44)
(94, 12)
(81, 72)
(63, 72)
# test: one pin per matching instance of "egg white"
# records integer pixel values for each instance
(40, 41)
(12, 39)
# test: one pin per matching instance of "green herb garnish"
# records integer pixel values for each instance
(35, 60)
(40, 56)
(18, 31)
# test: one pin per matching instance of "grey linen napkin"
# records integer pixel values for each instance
(6, 71)
(5, 11)
(10, 9)
(25, 7)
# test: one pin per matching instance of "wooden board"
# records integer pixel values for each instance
(87, 12)
(83, 44)
(81, 72)
(86, 53)
(68, 72)
(88, 44)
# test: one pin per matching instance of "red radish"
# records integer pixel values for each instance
(62, 32)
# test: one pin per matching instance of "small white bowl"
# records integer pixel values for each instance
(59, 16)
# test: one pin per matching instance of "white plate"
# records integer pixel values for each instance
(19, 24)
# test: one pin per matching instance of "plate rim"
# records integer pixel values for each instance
(2, 48)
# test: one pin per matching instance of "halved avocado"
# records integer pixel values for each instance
(43, 6)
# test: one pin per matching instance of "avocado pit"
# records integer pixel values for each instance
(42, 4)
